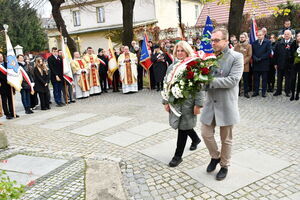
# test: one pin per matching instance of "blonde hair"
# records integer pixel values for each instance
(41, 67)
(186, 47)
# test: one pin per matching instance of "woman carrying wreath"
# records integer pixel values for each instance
(182, 116)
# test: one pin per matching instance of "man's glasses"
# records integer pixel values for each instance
(216, 40)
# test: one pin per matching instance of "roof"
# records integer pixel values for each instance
(220, 13)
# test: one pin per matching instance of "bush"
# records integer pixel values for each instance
(9, 189)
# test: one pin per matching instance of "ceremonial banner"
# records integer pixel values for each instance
(67, 58)
(145, 59)
(253, 31)
(112, 61)
(206, 36)
(14, 74)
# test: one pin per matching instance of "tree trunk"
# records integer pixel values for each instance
(235, 17)
(128, 6)
(60, 23)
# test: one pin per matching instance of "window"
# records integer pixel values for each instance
(100, 15)
(196, 11)
(76, 18)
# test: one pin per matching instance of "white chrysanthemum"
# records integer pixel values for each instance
(181, 82)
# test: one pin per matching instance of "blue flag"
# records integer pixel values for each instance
(206, 36)
(145, 55)
(253, 31)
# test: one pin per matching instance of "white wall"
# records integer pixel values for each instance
(143, 11)
(167, 15)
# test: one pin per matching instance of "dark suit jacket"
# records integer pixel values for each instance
(5, 87)
(56, 67)
(283, 57)
(261, 55)
(103, 68)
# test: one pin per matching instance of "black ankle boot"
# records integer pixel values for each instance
(194, 145)
(213, 164)
(27, 111)
(222, 174)
(292, 97)
(175, 161)
(297, 97)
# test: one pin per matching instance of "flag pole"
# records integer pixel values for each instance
(13, 101)
(65, 84)
(5, 26)
(148, 71)
(149, 78)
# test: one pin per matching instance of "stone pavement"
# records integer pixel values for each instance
(49, 149)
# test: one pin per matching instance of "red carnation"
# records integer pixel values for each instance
(188, 68)
(192, 63)
(205, 71)
(190, 75)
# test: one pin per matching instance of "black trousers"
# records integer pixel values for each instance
(250, 79)
(33, 100)
(257, 75)
(271, 77)
(182, 138)
(152, 79)
(286, 74)
(245, 82)
(294, 76)
(103, 80)
(140, 77)
(116, 81)
(160, 86)
(44, 99)
(7, 103)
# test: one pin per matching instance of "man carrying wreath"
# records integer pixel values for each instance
(221, 105)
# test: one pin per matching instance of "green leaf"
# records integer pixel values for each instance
(203, 77)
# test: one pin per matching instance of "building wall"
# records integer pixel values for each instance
(143, 11)
(166, 13)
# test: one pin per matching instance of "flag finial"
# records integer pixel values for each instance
(5, 26)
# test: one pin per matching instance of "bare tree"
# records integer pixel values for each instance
(60, 23)
(128, 6)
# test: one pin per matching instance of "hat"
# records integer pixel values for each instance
(155, 46)
(99, 50)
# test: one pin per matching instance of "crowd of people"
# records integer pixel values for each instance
(263, 59)
(267, 56)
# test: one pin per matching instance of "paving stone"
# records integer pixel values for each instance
(164, 152)
(37, 166)
(123, 138)
(100, 125)
(233, 180)
(149, 128)
(21, 178)
(295, 196)
(260, 162)
(67, 121)
(38, 117)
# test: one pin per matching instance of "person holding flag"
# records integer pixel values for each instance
(26, 89)
(103, 68)
(14, 75)
(6, 90)
(112, 67)
(80, 70)
(145, 59)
